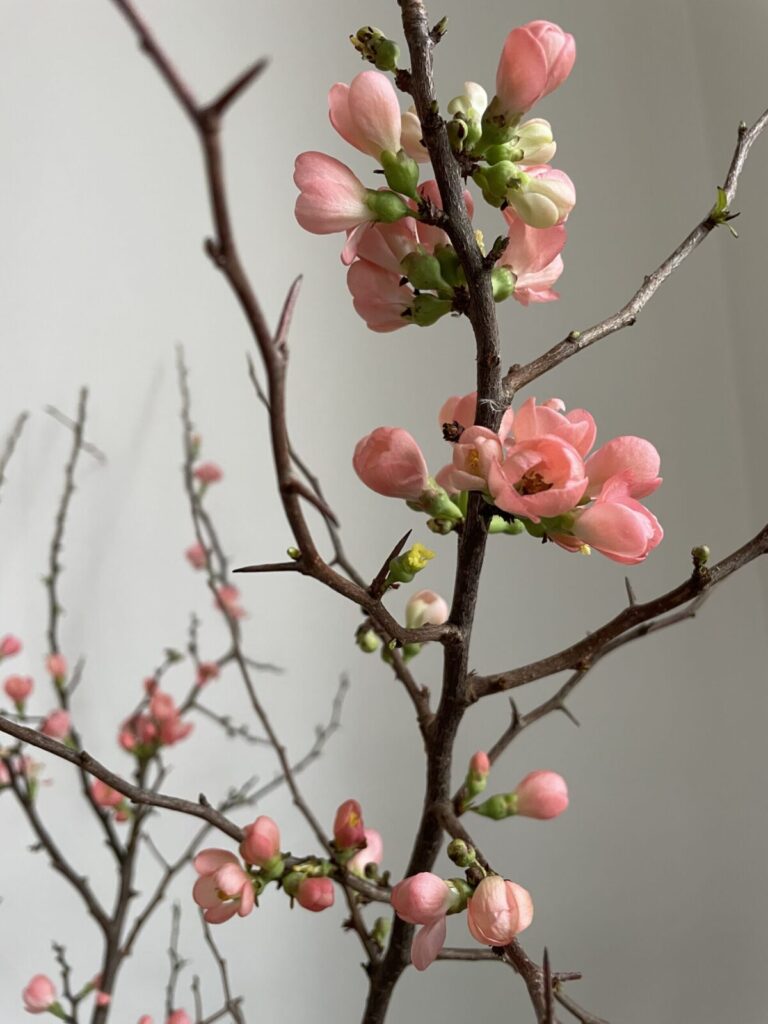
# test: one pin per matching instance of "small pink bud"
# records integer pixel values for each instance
(480, 763)
(228, 600)
(421, 898)
(426, 608)
(536, 59)
(542, 795)
(195, 555)
(348, 828)
(178, 1017)
(262, 841)
(56, 664)
(9, 645)
(208, 473)
(315, 894)
(56, 725)
(18, 688)
(498, 911)
(390, 462)
(104, 795)
(103, 998)
(206, 671)
(39, 995)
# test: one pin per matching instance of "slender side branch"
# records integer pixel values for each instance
(518, 376)
(10, 444)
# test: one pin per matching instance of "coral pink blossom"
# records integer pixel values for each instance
(544, 198)
(632, 458)
(57, 725)
(195, 555)
(426, 608)
(223, 888)
(208, 472)
(371, 853)
(542, 795)
(498, 910)
(462, 410)
(18, 688)
(378, 297)
(616, 525)
(315, 894)
(543, 476)
(348, 829)
(474, 455)
(366, 113)
(577, 427)
(56, 664)
(480, 763)
(39, 995)
(535, 60)
(332, 198)
(424, 899)
(206, 671)
(261, 843)
(103, 998)
(104, 795)
(390, 462)
(228, 600)
(533, 256)
(9, 645)
(178, 1017)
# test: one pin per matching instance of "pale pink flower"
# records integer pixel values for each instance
(424, 899)
(206, 671)
(104, 795)
(378, 297)
(39, 995)
(366, 113)
(387, 245)
(542, 795)
(632, 458)
(498, 910)
(426, 608)
(9, 646)
(262, 842)
(228, 600)
(542, 476)
(616, 525)
(57, 725)
(56, 664)
(178, 1017)
(332, 197)
(477, 452)
(223, 888)
(172, 730)
(535, 60)
(411, 137)
(544, 198)
(208, 473)
(371, 853)
(18, 688)
(390, 462)
(533, 256)
(537, 287)
(348, 828)
(315, 894)
(195, 555)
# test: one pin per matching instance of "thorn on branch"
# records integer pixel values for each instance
(281, 336)
(376, 588)
(569, 714)
(631, 596)
(214, 252)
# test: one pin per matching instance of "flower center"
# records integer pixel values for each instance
(532, 483)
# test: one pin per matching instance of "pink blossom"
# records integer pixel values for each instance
(56, 664)
(262, 842)
(208, 473)
(543, 476)
(348, 829)
(366, 113)
(103, 998)
(9, 646)
(228, 600)
(18, 688)
(178, 1017)
(480, 763)
(146, 1019)
(39, 995)
(632, 458)
(535, 60)
(498, 910)
(332, 197)
(378, 297)
(533, 256)
(315, 894)
(616, 525)
(371, 853)
(411, 137)
(544, 196)
(577, 427)
(57, 725)
(424, 899)
(104, 795)
(462, 410)
(542, 795)
(195, 555)
(476, 452)
(223, 888)
(206, 671)
(387, 245)
(390, 462)
(426, 608)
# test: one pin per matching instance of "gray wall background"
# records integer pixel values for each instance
(654, 883)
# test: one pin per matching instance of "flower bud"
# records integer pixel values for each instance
(500, 525)
(542, 198)
(348, 828)
(56, 664)
(498, 911)
(367, 639)
(9, 646)
(450, 267)
(404, 568)
(208, 473)
(541, 795)
(315, 894)
(261, 845)
(18, 688)
(425, 608)
(57, 725)
(461, 853)
(477, 776)
(498, 807)
(426, 310)
(401, 172)
(40, 996)
(195, 555)
(387, 206)
(424, 271)
(390, 462)
(371, 853)
(535, 141)
(421, 898)
(373, 46)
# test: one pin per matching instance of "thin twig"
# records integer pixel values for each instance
(10, 444)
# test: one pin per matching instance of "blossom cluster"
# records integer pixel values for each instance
(402, 266)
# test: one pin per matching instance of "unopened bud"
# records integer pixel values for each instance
(500, 525)
(425, 272)
(380, 931)
(460, 892)
(450, 266)
(367, 639)
(403, 569)
(293, 553)
(426, 310)
(401, 172)
(461, 853)
(536, 142)
(700, 555)
(373, 46)
(498, 807)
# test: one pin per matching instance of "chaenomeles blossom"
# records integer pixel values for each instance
(195, 555)
(18, 688)
(261, 845)
(535, 60)
(477, 777)
(378, 297)
(542, 795)
(40, 996)
(56, 664)
(206, 671)
(315, 894)
(498, 911)
(110, 799)
(177, 1017)
(208, 473)
(542, 196)
(223, 888)
(426, 608)
(348, 827)
(171, 726)
(366, 113)
(371, 853)
(57, 725)
(424, 899)
(103, 998)
(533, 256)
(162, 725)
(9, 646)
(228, 601)
(390, 462)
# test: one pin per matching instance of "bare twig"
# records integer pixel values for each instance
(66, 421)
(231, 1005)
(10, 444)
(177, 963)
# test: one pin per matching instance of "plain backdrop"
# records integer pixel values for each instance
(654, 882)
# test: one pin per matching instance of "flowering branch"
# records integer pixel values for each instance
(518, 376)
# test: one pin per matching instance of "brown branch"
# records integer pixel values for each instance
(578, 1012)
(66, 421)
(518, 376)
(231, 1004)
(629, 623)
(10, 444)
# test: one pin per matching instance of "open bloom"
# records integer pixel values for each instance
(498, 910)
(543, 476)
(535, 60)
(39, 995)
(371, 853)
(424, 899)
(315, 894)
(367, 113)
(634, 459)
(348, 828)
(541, 795)
(223, 888)
(390, 462)
(616, 525)
(18, 688)
(332, 197)
(533, 256)
(261, 843)
(9, 646)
